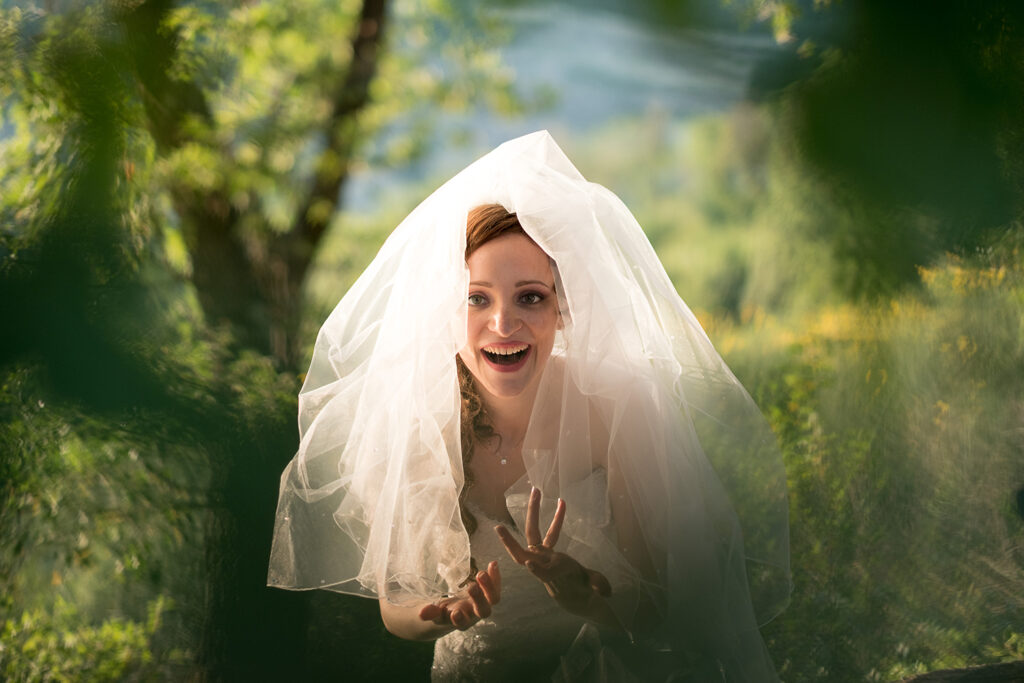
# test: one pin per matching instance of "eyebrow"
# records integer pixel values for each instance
(521, 283)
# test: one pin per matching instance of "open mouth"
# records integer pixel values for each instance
(508, 357)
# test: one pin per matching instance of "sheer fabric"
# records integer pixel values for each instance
(636, 411)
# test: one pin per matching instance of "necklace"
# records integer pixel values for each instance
(503, 459)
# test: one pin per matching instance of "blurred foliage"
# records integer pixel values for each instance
(52, 645)
(901, 430)
(93, 502)
(241, 124)
(909, 118)
(154, 156)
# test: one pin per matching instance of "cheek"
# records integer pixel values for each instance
(474, 325)
(469, 351)
(544, 325)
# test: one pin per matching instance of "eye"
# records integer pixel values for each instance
(531, 298)
(477, 300)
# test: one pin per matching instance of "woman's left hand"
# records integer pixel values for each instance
(572, 585)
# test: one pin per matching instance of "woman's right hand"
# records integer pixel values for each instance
(471, 605)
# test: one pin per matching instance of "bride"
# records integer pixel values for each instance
(518, 439)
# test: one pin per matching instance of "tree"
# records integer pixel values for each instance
(248, 262)
(152, 140)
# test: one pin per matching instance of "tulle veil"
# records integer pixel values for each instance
(370, 503)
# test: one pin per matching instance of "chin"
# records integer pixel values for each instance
(505, 390)
(500, 385)
(503, 386)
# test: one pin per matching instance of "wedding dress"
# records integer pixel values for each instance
(523, 639)
(527, 637)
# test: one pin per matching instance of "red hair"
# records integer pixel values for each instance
(489, 222)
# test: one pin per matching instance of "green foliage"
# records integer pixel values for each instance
(53, 645)
(269, 73)
(104, 516)
(779, 14)
(136, 429)
(897, 429)
(237, 127)
(96, 515)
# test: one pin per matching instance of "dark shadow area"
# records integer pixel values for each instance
(910, 116)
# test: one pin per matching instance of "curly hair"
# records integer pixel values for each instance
(483, 224)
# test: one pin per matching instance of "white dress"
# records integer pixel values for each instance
(525, 637)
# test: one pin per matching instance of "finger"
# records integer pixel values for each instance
(511, 544)
(459, 619)
(481, 607)
(495, 574)
(599, 583)
(533, 518)
(464, 614)
(556, 525)
(483, 579)
(431, 612)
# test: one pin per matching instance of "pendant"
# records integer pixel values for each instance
(504, 461)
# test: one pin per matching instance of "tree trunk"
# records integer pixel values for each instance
(254, 288)
(252, 284)
(293, 252)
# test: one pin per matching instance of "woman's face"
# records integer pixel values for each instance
(513, 315)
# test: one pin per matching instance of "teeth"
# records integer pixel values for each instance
(506, 350)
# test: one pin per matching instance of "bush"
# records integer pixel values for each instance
(56, 645)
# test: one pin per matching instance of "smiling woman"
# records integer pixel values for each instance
(513, 311)
(516, 354)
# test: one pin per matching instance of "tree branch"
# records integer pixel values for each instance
(354, 94)
(168, 101)
(291, 253)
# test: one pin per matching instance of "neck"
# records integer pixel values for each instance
(510, 416)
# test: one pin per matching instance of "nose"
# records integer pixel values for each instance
(505, 322)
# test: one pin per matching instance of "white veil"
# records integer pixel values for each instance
(370, 502)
